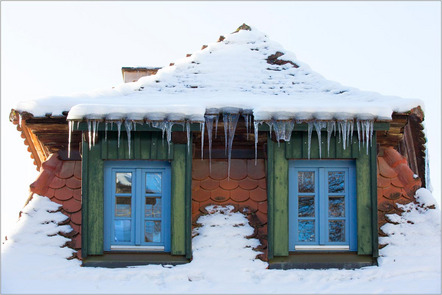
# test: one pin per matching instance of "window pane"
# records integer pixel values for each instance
(152, 231)
(336, 231)
(306, 182)
(152, 207)
(306, 206)
(123, 206)
(306, 230)
(122, 230)
(336, 206)
(153, 183)
(123, 183)
(336, 182)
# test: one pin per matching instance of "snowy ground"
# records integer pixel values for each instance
(223, 261)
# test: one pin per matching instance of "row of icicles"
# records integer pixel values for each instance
(282, 129)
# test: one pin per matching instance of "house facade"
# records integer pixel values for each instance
(315, 166)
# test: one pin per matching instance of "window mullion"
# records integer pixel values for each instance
(138, 207)
(322, 196)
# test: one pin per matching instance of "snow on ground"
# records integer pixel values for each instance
(223, 261)
(242, 71)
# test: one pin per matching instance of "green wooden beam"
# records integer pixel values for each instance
(270, 197)
(188, 203)
(84, 199)
(178, 216)
(364, 205)
(374, 196)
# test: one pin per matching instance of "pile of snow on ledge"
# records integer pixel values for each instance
(223, 261)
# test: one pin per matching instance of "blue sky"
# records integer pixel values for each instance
(58, 48)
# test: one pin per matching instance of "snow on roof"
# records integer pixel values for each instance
(245, 70)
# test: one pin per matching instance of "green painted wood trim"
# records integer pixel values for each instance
(270, 198)
(374, 196)
(178, 216)
(84, 198)
(95, 201)
(364, 204)
(188, 200)
(281, 204)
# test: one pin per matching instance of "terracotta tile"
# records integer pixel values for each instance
(240, 195)
(220, 195)
(262, 207)
(219, 169)
(405, 175)
(262, 183)
(262, 217)
(238, 169)
(64, 193)
(195, 184)
(383, 181)
(209, 184)
(248, 183)
(396, 182)
(50, 193)
(72, 205)
(73, 183)
(200, 195)
(392, 193)
(77, 242)
(386, 206)
(77, 194)
(200, 169)
(385, 170)
(76, 227)
(195, 207)
(258, 171)
(53, 163)
(220, 199)
(380, 192)
(258, 195)
(79, 254)
(203, 205)
(252, 205)
(393, 157)
(263, 229)
(67, 170)
(77, 169)
(57, 183)
(76, 217)
(228, 184)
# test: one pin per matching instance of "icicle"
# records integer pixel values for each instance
(89, 133)
(351, 130)
(119, 132)
(232, 120)
(168, 126)
(20, 118)
(310, 129)
(338, 123)
(331, 125)
(367, 133)
(343, 133)
(94, 132)
(105, 131)
(318, 126)
(371, 132)
(270, 128)
(209, 126)
(246, 120)
(256, 125)
(362, 132)
(135, 125)
(128, 126)
(188, 136)
(202, 139)
(358, 127)
(216, 125)
(70, 125)
(226, 128)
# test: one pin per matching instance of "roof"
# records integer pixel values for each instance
(244, 71)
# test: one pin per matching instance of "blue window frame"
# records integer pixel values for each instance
(322, 205)
(137, 205)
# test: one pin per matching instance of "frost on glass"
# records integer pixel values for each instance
(336, 206)
(336, 231)
(306, 230)
(306, 206)
(336, 182)
(152, 207)
(153, 183)
(152, 231)
(306, 181)
(122, 231)
(123, 207)
(123, 183)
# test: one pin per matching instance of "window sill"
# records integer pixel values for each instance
(131, 258)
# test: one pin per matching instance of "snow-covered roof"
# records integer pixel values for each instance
(245, 70)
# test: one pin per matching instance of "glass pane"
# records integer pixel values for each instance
(336, 182)
(306, 230)
(123, 183)
(336, 206)
(306, 182)
(336, 230)
(153, 183)
(123, 206)
(152, 207)
(122, 230)
(152, 231)
(306, 206)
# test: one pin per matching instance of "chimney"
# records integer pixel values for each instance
(132, 74)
